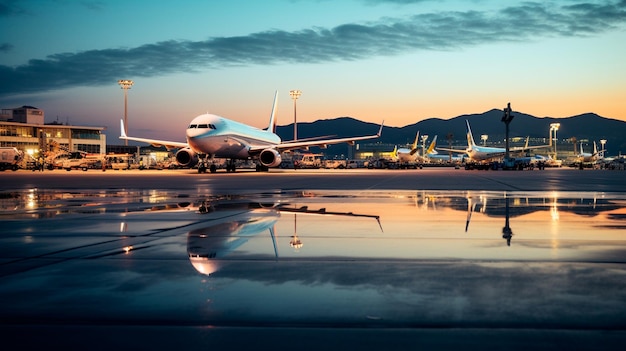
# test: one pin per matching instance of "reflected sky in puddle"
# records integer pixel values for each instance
(462, 259)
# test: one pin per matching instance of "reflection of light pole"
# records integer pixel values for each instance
(295, 94)
(125, 84)
(484, 138)
(507, 232)
(553, 128)
(295, 242)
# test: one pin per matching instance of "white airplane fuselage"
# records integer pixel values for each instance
(224, 138)
(484, 153)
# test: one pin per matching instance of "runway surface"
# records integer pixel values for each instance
(561, 179)
(314, 259)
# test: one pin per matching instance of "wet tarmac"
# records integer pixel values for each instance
(364, 259)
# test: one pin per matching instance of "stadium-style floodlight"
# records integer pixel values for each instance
(553, 128)
(603, 142)
(484, 138)
(125, 84)
(295, 94)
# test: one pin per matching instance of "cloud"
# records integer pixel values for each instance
(10, 8)
(5, 47)
(356, 41)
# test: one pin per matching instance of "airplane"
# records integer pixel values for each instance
(589, 158)
(412, 155)
(212, 136)
(481, 154)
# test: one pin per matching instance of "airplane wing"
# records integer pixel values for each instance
(154, 142)
(300, 144)
(524, 148)
(461, 151)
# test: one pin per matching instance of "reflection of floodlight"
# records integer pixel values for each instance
(125, 84)
(295, 94)
(295, 242)
(484, 138)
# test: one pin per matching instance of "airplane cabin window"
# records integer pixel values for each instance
(193, 126)
(203, 126)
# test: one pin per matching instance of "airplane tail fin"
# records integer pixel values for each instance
(414, 146)
(431, 147)
(272, 125)
(470, 137)
(526, 145)
(122, 129)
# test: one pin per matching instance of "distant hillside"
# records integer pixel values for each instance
(588, 126)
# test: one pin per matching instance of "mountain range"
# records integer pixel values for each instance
(588, 127)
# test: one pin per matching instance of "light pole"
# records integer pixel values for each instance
(295, 94)
(603, 142)
(507, 117)
(484, 138)
(125, 84)
(553, 128)
(424, 138)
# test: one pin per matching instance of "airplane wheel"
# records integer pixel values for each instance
(213, 169)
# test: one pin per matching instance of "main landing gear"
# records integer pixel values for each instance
(204, 164)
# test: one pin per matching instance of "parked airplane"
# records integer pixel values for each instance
(412, 155)
(210, 136)
(481, 154)
(586, 157)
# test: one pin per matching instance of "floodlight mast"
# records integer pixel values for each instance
(554, 127)
(295, 94)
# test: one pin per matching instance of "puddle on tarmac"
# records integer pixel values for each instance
(321, 258)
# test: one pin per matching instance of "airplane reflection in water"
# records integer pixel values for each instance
(207, 245)
(499, 205)
(413, 235)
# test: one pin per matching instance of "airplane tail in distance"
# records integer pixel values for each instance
(595, 148)
(470, 137)
(414, 146)
(431, 147)
(272, 125)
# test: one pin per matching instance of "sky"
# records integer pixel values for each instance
(400, 61)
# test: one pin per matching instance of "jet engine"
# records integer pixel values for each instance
(270, 158)
(186, 157)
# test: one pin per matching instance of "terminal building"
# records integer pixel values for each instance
(24, 129)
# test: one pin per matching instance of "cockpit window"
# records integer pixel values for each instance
(202, 126)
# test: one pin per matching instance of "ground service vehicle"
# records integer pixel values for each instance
(83, 161)
(10, 158)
